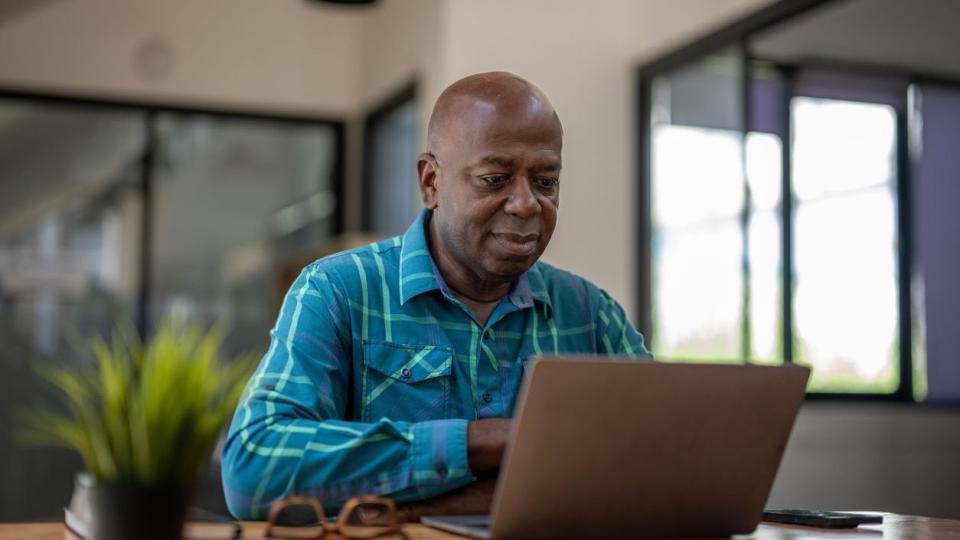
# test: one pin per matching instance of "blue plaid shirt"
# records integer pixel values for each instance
(375, 368)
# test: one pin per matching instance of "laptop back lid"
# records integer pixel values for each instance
(615, 449)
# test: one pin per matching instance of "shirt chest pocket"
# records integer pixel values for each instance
(405, 382)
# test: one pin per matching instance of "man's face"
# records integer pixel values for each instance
(498, 191)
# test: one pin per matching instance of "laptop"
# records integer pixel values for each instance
(625, 449)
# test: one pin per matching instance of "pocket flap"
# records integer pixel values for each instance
(407, 363)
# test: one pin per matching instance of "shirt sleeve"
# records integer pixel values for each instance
(289, 434)
(615, 335)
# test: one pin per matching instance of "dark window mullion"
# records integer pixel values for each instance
(147, 162)
(904, 253)
(786, 211)
(644, 223)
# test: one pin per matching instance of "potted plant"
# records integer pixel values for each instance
(145, 419)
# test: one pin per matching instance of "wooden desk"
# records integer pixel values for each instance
(894, 526)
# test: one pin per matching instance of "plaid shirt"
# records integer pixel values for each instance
(375, 368)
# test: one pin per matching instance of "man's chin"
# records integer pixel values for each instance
(509, 269)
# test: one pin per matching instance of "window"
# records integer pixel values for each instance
(845, 230)
(753, 169)
(234, 199)
(391, 193)
(698, 246)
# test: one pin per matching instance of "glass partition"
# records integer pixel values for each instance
(715, 203)
(392, 194)
(70, 223)
(235, 200)
(230, 204)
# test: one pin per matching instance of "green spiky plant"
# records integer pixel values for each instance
(144, 414)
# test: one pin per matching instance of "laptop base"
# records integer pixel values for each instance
(473, 526)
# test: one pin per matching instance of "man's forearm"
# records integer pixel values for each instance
(263, 461)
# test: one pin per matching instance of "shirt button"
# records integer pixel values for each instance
(487, 398)
(441, 470)
(405, 373)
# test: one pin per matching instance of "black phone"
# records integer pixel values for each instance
(814, 518)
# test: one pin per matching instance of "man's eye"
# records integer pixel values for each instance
(546, 182)
(495, 179)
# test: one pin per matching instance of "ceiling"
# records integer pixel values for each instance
(916, 36)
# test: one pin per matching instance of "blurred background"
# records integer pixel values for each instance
(775, 182)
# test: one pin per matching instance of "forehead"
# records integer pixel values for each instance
(486, 128)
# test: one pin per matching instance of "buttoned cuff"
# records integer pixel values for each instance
(440, 456)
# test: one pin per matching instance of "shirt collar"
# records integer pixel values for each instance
(419, 274)
(529, 287)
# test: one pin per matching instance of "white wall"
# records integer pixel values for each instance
(277, 55)
(401, 41)
(858, 456)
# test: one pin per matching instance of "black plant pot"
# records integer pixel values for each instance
(124, 512)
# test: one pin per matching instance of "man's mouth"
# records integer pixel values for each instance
(517, 244)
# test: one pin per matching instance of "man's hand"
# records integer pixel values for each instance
(485, 443)
(474, 499)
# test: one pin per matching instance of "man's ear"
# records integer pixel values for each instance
(429, 173)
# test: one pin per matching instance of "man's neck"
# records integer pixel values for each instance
(478, 294)
(481, 310)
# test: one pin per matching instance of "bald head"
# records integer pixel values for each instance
(476, 100)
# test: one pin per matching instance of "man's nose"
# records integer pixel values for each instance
(522, 202)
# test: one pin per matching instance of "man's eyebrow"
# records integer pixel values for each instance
(495, 160)
(547, 167)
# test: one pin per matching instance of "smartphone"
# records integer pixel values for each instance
(814, 518)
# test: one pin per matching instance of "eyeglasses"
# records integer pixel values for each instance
(360, 518)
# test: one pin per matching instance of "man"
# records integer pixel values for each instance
(393, 368)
